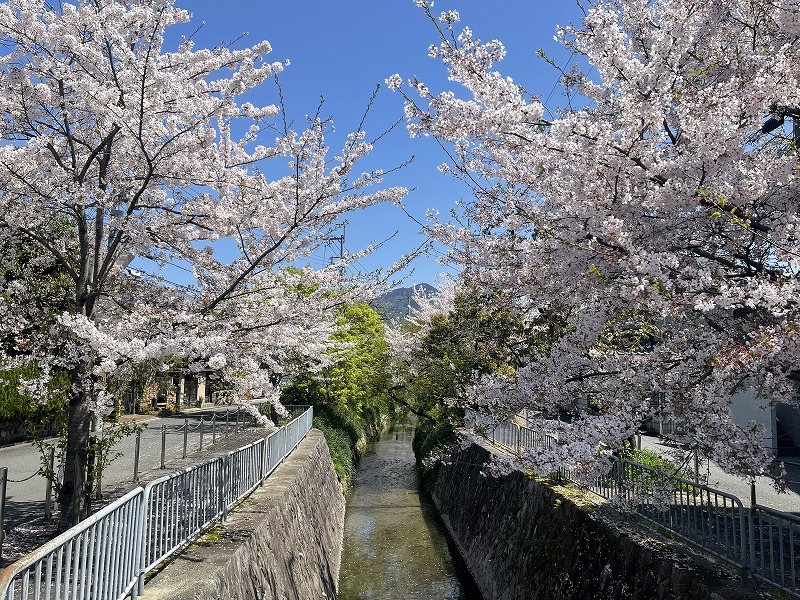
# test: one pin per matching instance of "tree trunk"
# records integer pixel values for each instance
(73, 494)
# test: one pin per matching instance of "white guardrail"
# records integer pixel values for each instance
(106, 556)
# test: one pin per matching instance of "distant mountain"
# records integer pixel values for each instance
(393, 305)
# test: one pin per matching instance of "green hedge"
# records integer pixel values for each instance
(343, 432)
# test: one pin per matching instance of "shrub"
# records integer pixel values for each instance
(429, 439)
(18, 407)
(650, 458)
(344, 434)
(665, 469)
(341, 420)
(342, 452)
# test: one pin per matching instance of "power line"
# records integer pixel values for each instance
(555, 85)
(340, 239)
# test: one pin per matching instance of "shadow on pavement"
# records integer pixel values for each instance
(21, 512)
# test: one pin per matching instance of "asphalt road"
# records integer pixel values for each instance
(26, 489)
(766, 494)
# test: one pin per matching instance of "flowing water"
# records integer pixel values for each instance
(394, 545)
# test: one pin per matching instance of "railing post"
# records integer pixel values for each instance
(221, 486)
(185, 436)
(201, 432)
(745, 547)
(269, 453)
(142, 541)
(99, 468)
(261, 456)
(48, 490)
(214, 428)
(163, 445)
(136, 452)
(238, 412)
(3, 481)
(226, 482)
(226, 422)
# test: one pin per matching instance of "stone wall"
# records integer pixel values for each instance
(522, 540)
(284, 542)
(12, 432)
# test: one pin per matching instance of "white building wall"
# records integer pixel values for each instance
(746, 407)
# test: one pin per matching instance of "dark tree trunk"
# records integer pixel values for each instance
(73, 495)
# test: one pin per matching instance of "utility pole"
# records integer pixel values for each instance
(340, 239)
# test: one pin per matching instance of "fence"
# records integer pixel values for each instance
(107, 556)
(775, 547)
(214, 427)
(149, 448)
(763, 542)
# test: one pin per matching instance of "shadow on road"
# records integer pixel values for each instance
(21, 512)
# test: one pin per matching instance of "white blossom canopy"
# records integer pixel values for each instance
(666, 208)
(114, 147)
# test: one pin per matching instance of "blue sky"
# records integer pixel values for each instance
(341, 50)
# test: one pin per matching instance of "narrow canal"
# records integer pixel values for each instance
(394, 546)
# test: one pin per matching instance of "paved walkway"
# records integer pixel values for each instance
(25, 492)
(766, 494)
(27, 528)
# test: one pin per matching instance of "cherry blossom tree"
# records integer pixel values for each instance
(664, 210)
(115, 147)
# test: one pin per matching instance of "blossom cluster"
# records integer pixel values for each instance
(661, 220)
(113, 147)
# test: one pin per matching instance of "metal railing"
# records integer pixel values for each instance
(763, 542)
(213, 427)
(775, 547)
(98, 558)
(107, 556)
(704, 516)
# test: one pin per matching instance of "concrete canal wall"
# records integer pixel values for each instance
(284, 542)
(526, 541)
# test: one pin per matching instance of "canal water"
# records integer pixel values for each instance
(394, 544)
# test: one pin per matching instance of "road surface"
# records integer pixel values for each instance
(25, 492)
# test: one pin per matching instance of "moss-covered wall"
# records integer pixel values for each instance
(526, 541)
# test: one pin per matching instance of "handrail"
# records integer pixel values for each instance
(767, 564)
(157, 520)
(709, 518)
(47, 550)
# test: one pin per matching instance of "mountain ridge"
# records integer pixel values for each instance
(394, 305)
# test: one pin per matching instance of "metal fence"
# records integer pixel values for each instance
(704, 516)
(205, 431)
(775, 547)
(173, 441)
(107, 556)
(763, 542)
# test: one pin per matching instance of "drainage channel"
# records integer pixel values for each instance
(395, 546)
